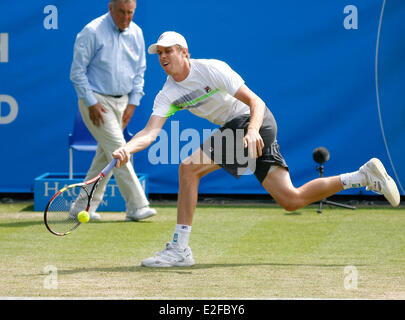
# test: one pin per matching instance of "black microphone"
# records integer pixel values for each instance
(320, 155)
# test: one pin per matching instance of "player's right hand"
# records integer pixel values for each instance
(254, 142)
(122, 155)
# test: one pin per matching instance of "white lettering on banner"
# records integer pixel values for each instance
(50, 188)
(4, 47)
(112, 187)
(51, 20)
(55, 188)
(12, 114)
(351, 20)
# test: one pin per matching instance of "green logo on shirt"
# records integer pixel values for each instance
(189, 103)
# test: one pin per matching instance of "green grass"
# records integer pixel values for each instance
(259, 252)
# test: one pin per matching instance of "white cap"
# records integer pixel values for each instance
(168, 39)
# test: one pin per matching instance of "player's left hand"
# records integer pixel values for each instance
(254, 142)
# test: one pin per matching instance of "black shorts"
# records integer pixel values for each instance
(225, 147)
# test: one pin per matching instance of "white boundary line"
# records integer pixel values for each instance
(173, 298)
(378, 95)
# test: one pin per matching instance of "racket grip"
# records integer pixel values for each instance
(109, 167)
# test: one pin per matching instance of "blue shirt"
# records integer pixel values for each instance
(108, 61)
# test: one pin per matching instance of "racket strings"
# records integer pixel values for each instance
(61, 213)
(61, 216)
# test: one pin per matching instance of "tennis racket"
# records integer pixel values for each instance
(60, 215)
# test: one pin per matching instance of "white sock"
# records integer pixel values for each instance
(353, 180)
(181, 235)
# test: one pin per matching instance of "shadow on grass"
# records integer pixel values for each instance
(295, 213)
(23, 224)
(29, 208)
(189, 270)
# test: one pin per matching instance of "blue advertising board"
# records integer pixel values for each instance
(332, 73)
(46, 185)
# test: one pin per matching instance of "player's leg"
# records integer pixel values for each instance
(177, 252)
(191, 170)
(371, 175)
(278, 184)
(276, 179)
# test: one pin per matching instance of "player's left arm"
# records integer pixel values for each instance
(252, 139)
(141, 140)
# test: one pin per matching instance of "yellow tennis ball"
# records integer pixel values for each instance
(83, 216)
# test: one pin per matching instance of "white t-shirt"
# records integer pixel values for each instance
(208, 92)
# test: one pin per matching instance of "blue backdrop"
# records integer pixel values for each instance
(332, 72)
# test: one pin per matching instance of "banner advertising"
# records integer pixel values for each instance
(331, 72)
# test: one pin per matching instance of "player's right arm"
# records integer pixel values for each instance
(141, 140)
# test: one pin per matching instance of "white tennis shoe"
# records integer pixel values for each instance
(73, 212)
(140, 214)
(94, 216)
(171, 256)
(379, 181)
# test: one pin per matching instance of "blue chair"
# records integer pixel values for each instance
(82, 140)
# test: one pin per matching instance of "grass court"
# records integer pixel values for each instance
(241, 252)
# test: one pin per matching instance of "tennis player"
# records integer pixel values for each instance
(212, 90)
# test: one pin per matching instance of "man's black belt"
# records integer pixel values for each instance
(109, 95)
